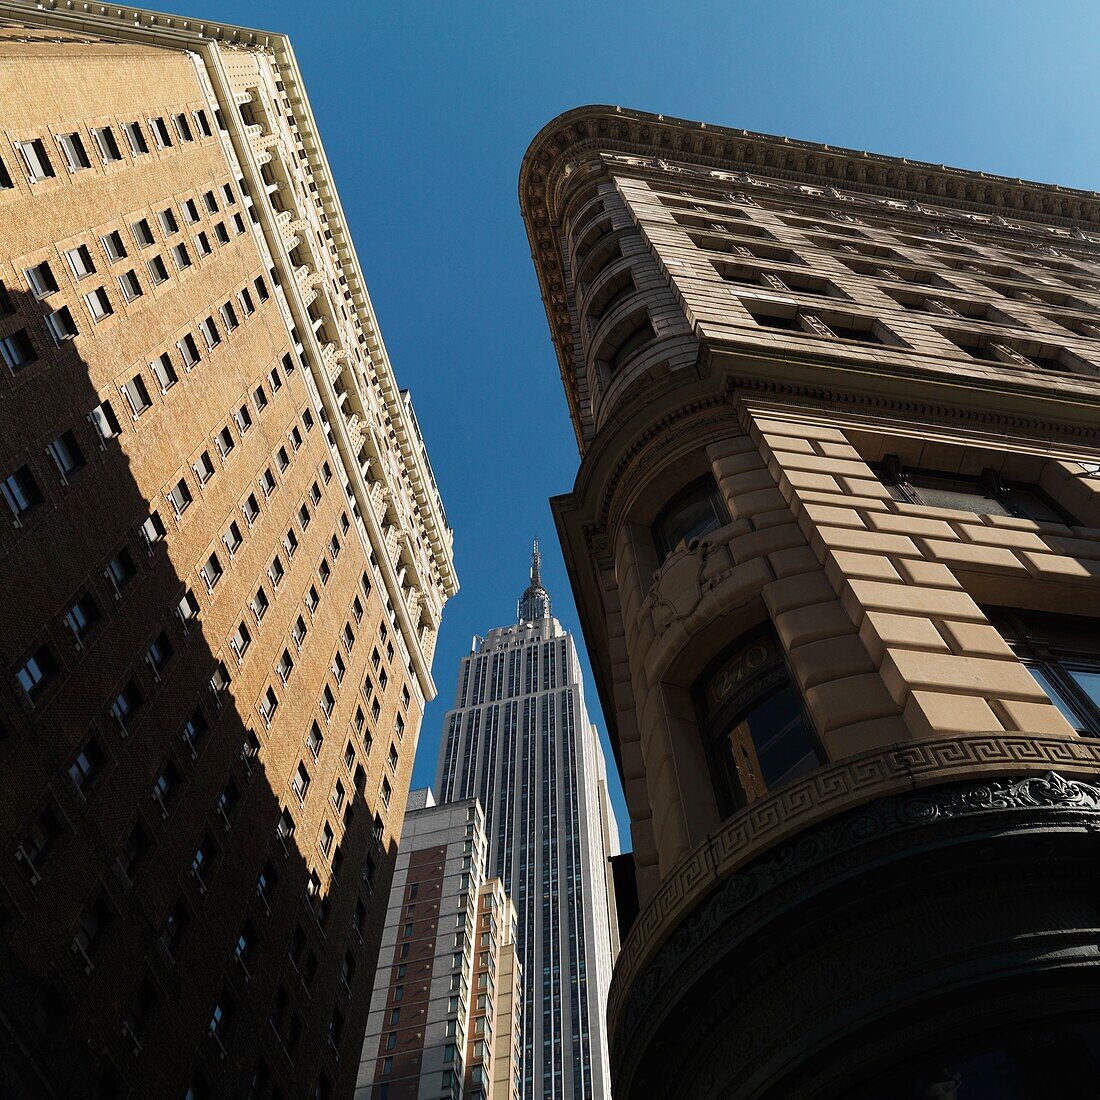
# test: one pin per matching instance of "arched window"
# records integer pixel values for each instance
(694, 511)
(757, 734)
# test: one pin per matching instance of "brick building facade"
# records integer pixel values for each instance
(447, 1010)
(223, 565)
(835, 542)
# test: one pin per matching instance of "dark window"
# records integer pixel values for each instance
(1063, 654)
(633, 342)
(756, 732)
(985, 494)
(693, 512)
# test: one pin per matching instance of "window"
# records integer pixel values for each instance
(328, 701)
(5, 178)
(750, 713)
(290, 543)
(393, 757)
(104, 138)
(387, 791)
(203, 467)
(187, 608)
(136, 137)
(210, 332)
(233, 538)
(143, 233)
(327, 838)
(168, 221)
(17, 351)
(259, 399)
(152, 530)
(21, 492)
(261, 288)
(268, 705)
(241, 640)
(227, 194)
(128, 701)
(282, 459)
(276, 381)
(180, 256)
(986, 494)
(80, 262)
(315, 739)
(276, 572)
(301, 782)
(303, 516)
(313, 600)
(72, 145)
(251, 509)
(295, 435)
(325, 571)
(259, 604)
(180, 497)
(634, 340)
(61, 325)
(247, 305)
(221, 233)
(40, 279)
(243, 418)
(105, 421)
(285, 666)
(183, 127)
(130, 286)
(164, 371)
(36, 159)
(692, 513)
(339, 670)
(88, 766)
(36, 673)
(189, 349)
(195, 730)
(66, 454)
(203, 123)
(204, 245)
(113, 246)
(225, 442)
(1061, 653)
(211, 572)
(229, 317)
(158, 273)
(82, 617)
(90, 932)
(121, 570)
(160, 133)
(99, 305)
(267, 482)
(299, 631)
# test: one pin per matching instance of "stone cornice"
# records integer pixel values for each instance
(580, 135)
(132, 24)
(846, 785)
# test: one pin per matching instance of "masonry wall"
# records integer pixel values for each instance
(133, 964)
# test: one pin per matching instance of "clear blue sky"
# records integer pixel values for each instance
(425, 110)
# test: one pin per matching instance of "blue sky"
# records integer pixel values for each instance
(425, 110)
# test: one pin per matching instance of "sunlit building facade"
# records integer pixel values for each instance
(834, 541)
(520, 740)
(222, 567)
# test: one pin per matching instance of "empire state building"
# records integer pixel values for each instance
(520, 739)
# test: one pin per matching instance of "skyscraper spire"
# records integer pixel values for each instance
(534, 604)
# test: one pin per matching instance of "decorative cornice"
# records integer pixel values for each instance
(825, 793)
(130, 24)
(828, 853)
(573, 141)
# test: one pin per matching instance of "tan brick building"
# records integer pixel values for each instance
(447, 1009)
(223, 564)
(835, 542)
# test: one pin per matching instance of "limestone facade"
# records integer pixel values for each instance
(837, 418)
